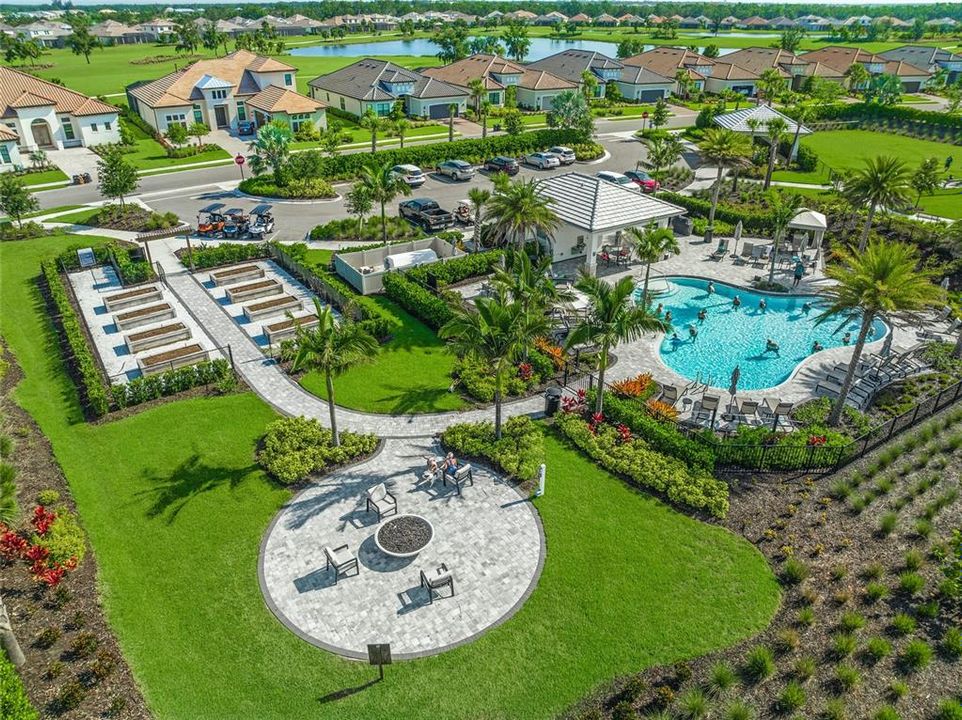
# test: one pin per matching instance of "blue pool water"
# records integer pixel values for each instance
(730, 337)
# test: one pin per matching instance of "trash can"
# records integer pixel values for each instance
(681, 225)
(552, 401)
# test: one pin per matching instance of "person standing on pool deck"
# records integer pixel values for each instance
(799, 272)
(771, 346)
(702, 314)
(736, 302)
(692, 332)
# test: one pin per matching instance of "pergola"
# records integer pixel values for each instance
(737, 121)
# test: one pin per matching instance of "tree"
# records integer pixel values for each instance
(486, 45)
(485, 111)
(371, 122)
(770, 84)
(917, 31)
(358, 202)
(883, 279)
(611, 319)
(212, 38)
(515, 37)
(271, 149)
(663, 151)
(803, 114)
(791, 39)
(726, 149)
(782, 209)
(659, 115)
(776, 129)
(711, 51)
(884, 89)
(884, 182)
(383, 185)
(927, 178)
(15, 199)
(651, 244)
(452, 113)
(529, 283)
(479, 198)
(177, 134)
(493, 334)
(331, 347)
(858, 77)
(198, 130)
(400, 127)
(519, 212)
(513, 122)
(589, 84)
(452, 44)
(683, 81)
(81, 42)
(187, 34)
(570, 110)
(332, 137)
(477, 92)
(116, 176)
(629, 47)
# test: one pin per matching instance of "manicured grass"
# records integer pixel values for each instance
(411, 373)
(51, 175)
(176, 507)
(151, 155)
(945, 203)
(360, 135)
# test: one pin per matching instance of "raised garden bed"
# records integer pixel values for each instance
(163, 335)
(144, 316)
(236, 274)
(251, 291)
(272, 307)
(288, 328)
(161, 362)
(132, 298)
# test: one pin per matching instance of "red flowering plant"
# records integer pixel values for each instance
(42, 519)
(817, 440)
(524, 371)
(624, 433)
(573, 404)
(596, 420)
(16, 546)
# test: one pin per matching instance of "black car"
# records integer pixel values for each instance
(502, 164)
(246, 127)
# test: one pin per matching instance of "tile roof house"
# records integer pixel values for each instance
(759, 59)
(46, 33)
(842, 58)
(929, 58)
(47, 116)
(580, 19)
(642, 85)
(813, 23)
(755, 23)
(377, 85)
(570, 64)
(224, 91)
(629, 19)
(729, 22)
(10, 158)
(111, 32)
(594, 213)
(606, 20)
(667, 61)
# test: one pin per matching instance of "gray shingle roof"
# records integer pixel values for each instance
(597, 205)
(922, 56)
(364, 80)
(569, 64)
(634, 75)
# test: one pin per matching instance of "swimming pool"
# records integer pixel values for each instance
(729, 337)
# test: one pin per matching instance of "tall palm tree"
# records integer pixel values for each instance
(803, 114)
(770, 84)
(479, 198)
(611, 319)
(477, 92)
(776, 129)
(529, 283)
(726, 149)
(663, 152)
(519, 211)
(452, 113)
(372, 122)
(331, 348)
(884, 279)
(270, 149)
(650, 245)
(400, 127)
(382, 186)
(485, 111)
(782, 208)
(883, 182)
(858, 77)
(494, 333)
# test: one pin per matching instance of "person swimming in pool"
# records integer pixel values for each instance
(692, 332)
(668, 317)
(806, 307)
(658, 309)
(771, 346)
(711, 288)
(762, 305)
(675, 340)
(816, 346)
(847, 338)
(702, 314)
(736, 302)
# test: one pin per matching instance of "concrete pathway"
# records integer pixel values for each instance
(75, 161)
(231, 143)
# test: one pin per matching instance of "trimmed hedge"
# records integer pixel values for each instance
(519, 452)
(14, 703)
(150, 387)
(295, 447)
(455, 270)
(751, 222)
(876, 112)
(131, 271)
(264, 186)
(80, 358)
(346, 229)
(224, 254)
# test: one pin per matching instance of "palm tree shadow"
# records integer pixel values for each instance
(347, 692)
(193, 477)
(416, 398)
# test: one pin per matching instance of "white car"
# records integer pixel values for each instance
(543, 160)
(565, 154)
(617, 179)
(456, 169)
(411, 174)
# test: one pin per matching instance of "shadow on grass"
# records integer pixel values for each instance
(347, 692)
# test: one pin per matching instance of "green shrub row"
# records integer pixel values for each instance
(131, 271)
(295, 447)
(150, 387)
(14, 703)
(874, 111)
(477, 380)
(346, 229)
(210, 256)
(456, 269)
(81, 358)
(416, 299)
(696, 489)
(519, 452)
(264, 186)
(661, 436)
(751, 222)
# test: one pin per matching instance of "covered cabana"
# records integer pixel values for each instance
(808, 227)
(738, 121)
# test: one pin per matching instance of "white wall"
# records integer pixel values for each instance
(15, 159)
(420, 107)
(633, 92)
(25, 118)
(351, 105)
(264, 79)
(84, 128)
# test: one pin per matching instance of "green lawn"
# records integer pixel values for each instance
(151, 155)
(78, 218)
(51, 175)
(946, 203)
(360, 135)
(411, 373)
(176, 508)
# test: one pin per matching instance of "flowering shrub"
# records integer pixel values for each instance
(573, 404)
(525, 371)
(632, 387)
(817, 440)
(662, 410)
(554, 352)
(624, 432)
(42, 519)
(56, 548)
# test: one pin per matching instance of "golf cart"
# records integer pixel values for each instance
(261, 222)
(213, 223)
(235, 223)
(463, 213)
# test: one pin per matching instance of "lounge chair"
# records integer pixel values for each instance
(747, 410)
(747, 250)
(669, 394)
(706, 409)
(383, 502)
(341, 560)
(462, 476)
(435, 581)
(776, 411)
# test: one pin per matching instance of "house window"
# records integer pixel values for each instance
(383, 109)
(198, 115)
(342, 103)
(328, 96)
(494, 98)
(67, 129)
(288, 79)
(177, 119)
(241, 112)
(218, 94)
(5, 154)
(106, 126)
(93, 127)
(300, 119)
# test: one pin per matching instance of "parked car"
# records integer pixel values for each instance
(543, 160)
(246, 127)
(235, 222)
(616, 179)
(501, 163)
(565, 154)
(213, 223)
(426, 213)
(643, 180)
(411, 174)
(456, 169)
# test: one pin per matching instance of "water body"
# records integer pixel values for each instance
(540, 48)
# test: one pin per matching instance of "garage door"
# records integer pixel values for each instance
(651, 95)
(436, 112)
(911, 87)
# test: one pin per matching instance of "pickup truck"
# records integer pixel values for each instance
(426, 213)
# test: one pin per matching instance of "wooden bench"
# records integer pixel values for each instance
(144, 316)
(236, 274)
(284, 329)
(132, 298)
(266, 308)
(162, 362)
(163, 335)
(251, 291)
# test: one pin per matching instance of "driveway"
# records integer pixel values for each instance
(231, 143)
(75, 161)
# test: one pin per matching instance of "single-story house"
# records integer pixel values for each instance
(46, 33)
(842, 58)
(42, 115)
(759, 59)
(580, 19)
(9, 152)
(111, 32)
(928, 57)
(813, 23)
(643, 85)
(737, 121)
(571, 64)
(223, 91)
(379, 84)
(667, 61)
(551, 18)
(728, 76)
(594, 213)
(630, 20)
(755, 23)
(606, 20)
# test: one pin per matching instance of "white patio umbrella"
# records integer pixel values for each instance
(738, 236)
(733, 384)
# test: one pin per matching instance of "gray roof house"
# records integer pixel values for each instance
(570, 64)
(930, 58)
(379, 84)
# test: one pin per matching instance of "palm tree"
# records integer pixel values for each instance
(663, 152)
(651, 244)
(776, 129)
(382, 186)
(683, 81)
(494, 333)
(485, 111)
(782, 209)
(529, 283)
(884, 279)
(883, 182)
(726, 149)
(452, 113)
(519, 211)
(477, 92)
(271, 149)
(803, 114)
(330, 348)
(400, 127)
(770, 83)
(858, 76)
(611, 319)
(479, 198)
(371, 121)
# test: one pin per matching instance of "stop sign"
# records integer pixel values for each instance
(644, 115)
(239, 160)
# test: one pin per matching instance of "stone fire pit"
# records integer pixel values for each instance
(404, 536)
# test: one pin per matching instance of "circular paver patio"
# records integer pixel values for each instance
(490, 537)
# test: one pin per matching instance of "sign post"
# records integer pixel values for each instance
(239, 160)
(644, 120)
(379, 654)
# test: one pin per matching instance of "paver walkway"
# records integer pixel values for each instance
(489, 537)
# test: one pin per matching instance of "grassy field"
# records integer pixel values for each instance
(360, 135)
(51, 175)
(151, 155)
(411, 373)
(946, 203)
(176, 507)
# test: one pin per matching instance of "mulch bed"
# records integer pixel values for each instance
(132, 218)
(73, 608)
